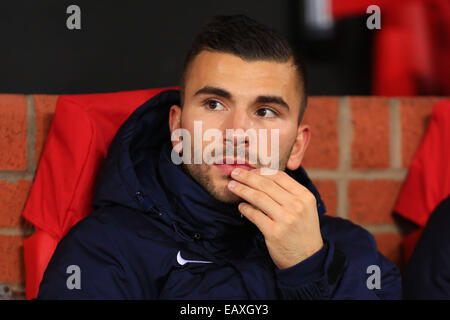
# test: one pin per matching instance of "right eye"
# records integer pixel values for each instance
(214, 105)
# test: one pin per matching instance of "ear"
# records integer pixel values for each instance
(299, 147)
(174, 120)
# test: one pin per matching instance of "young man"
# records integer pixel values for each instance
(218, 227)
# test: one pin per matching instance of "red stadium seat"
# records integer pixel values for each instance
(76, 146)
(428, 180)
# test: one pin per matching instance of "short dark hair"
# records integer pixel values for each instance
(247, 39)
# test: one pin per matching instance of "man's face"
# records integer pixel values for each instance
(225, 92)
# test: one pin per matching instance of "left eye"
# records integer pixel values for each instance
(266, 113)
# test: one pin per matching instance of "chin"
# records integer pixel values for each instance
(222, 193)
(228, 198)
(213, 182)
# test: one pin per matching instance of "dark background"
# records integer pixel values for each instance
(133, 45)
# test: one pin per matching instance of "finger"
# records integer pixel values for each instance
(299, 191)
(263, 184)
(257, 198)
(286, 182)
(257, 217)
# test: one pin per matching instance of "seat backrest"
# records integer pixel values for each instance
(76, 146)
(428, 179)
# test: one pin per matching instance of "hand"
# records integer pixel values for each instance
(283, 210)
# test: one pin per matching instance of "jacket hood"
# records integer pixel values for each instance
(139, 174)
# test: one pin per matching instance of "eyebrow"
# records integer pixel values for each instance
(272, 99)
(216, 91)
(227, 95)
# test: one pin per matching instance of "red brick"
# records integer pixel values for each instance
(390, 245)
(13, 132)
(370, 123)
(323, 149)
(328, 192)
(372, 201)
(12, 267)
(13, 196)
(414, 116)
(44, 109)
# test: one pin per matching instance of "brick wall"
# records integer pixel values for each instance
(360, 150)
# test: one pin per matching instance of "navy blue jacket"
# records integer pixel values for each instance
(150, 217)
(427, 275)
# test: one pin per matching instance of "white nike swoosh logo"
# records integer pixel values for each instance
(182, 261)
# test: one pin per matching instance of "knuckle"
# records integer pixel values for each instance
(279, 175)
(298, 204)
(311, 199)
(241, 188)
(252, 194)
(267, 184)
(290, 220)
(277, 234)
(248, 210)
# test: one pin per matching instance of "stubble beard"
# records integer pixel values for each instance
(217, 188)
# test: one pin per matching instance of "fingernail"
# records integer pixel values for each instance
(232, 184)
(235, 171)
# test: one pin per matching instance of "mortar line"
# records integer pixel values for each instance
(344, 140)
(342, 203)
(31, 135)
(344, 134)
(14, 176)
(16, 231)
(395, 134)
(358, 175)
(381, 228)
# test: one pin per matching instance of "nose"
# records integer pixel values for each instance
(236, 126)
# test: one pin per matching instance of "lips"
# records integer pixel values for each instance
(232, 164)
